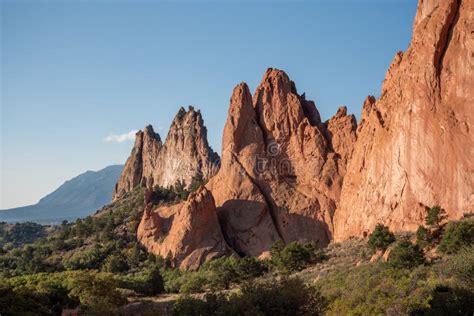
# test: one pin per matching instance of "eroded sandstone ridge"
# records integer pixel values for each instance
(184, 154)
(286, 174)
(415, 144)
(282, 167)
(187, 233)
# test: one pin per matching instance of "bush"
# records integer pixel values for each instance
(218, 273)
(194, 283)
(457, 236)
(115, 264)
(86, 259)
(22, 302)
(173, 280)
(154, 281)
(222, 272)
(434, 216)
(96, 291)
(284, 297)
(276, 248)
(190, 306)
(381, 290)
(295, 256)
(461, 266)
(147, 282)
(196, 182)
(423, 237)
(249, 267)
(380, 238)
(50, 289)
(446, 300)
(406, 255)
(21, 233)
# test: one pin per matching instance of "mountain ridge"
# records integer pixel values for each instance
(77, 197)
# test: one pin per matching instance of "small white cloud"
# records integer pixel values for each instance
(120, 138)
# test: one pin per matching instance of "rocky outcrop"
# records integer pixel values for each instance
(286, 174)
(415, 144)
(282, 168)
(185, 154)
(187, 233)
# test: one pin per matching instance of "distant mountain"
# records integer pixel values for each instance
(78, 197)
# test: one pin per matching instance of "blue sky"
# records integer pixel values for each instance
(74, 73)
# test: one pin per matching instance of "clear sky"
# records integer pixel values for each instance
(77, 74)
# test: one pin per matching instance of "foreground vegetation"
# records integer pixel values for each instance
(97, 265)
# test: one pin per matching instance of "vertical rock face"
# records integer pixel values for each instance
(415, 144)
(282, 168)
(187, 233)
(141, 161)
(184, 154)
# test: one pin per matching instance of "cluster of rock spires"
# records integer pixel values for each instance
(286, 174)
(184, 155)
(282, 168)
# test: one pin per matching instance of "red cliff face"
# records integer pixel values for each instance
(282, 168)
(184, 154)
(415, 144)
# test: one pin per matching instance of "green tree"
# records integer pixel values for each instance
(223, 272)
(135, 255)
(423, 237)
(434, 216)
(380, 238)
(86, 259)
(22, 302)
(194, 282)
(295, 256)
(96, 291)
(274, 297)
(115, 264)
(173, 279)
(248, 267)
(81, 229)
(406, 255)
(457, 235)
(154, 281)
(180, 189)
(196, 182)
(461, 266)
(448, 300)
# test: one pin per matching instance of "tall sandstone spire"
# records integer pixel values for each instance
(282, 168)
(415, 145)
(184, 154)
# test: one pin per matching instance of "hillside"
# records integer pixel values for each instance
(76, 198)
(97, 265)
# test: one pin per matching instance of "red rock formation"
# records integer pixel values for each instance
(282, 168)
(188, 233)
(184, 154)
(415, 144)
